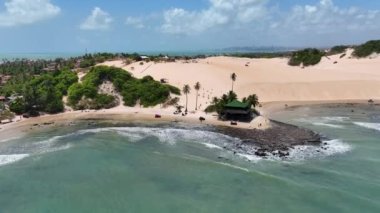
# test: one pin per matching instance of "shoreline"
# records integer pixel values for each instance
(268, 140)
(146, 115)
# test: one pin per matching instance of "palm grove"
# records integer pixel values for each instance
(217, 104)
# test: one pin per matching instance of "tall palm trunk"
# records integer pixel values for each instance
(196, 102)
(186, 103)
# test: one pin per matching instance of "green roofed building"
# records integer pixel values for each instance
(237, 111)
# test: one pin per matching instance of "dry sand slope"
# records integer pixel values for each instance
(272, 79)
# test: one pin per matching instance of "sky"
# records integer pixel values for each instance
(34, 26)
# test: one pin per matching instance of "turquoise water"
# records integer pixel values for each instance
(34, 56)
(166, 169)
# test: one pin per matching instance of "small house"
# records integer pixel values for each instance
(144, 58)
(237, 111)
(2, 99)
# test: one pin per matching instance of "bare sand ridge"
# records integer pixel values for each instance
(334, 79)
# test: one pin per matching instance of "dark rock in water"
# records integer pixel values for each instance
(222, 158)
(280, 137)
(261, 153)
(283, 154)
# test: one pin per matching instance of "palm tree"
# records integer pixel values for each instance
(233, 78)
(253, 100)
(197, 87)
(231, 96)
(186, 90)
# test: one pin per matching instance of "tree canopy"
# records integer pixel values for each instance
(367, 49)
(218, 104)
(146, 90)
(306, 57)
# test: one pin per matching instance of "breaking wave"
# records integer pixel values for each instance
(302, 152)
(221, 144)
(8, 159)
(168, 135)
(332, 122)
(331, 147)
(375, 126)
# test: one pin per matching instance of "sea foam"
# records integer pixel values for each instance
(332, 122)
(168, 135)
(331, 147)
(375, 126)
(8, 159)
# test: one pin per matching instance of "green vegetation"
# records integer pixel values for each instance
(367, 49)
(146, 91)
(5, 114)
(338, 50)
(306, 57)
(41, 93)
(18, 106)
(218, 104)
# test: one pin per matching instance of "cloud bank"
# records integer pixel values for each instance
(22, 12)
(98, 20)
(219, 13)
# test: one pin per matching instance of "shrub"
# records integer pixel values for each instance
(104, 101)
(87, 63)
(338, 49)
(75, 94)
(146, 90)
(17, 106)
(306, 57)
(174, 90)
(367, 49)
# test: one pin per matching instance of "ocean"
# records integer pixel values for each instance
(166, 168)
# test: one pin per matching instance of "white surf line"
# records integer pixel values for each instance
(373, 126)
(10, 139)
(336, 126)
(212, 146)
(8, 159)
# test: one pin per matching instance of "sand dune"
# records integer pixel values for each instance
(273, 80)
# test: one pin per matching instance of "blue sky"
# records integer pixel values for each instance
(182, 25)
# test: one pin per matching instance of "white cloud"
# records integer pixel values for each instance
(21, 12)
(98, 20)
(325, 17)
(135, 22)
(219, 13)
